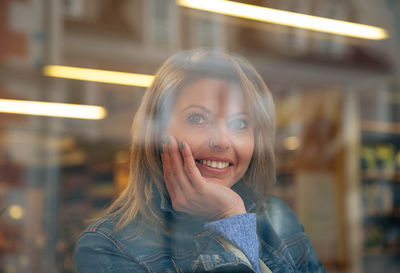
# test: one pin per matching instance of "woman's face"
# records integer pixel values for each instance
(211, 116)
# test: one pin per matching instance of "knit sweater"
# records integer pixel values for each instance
(241, 231)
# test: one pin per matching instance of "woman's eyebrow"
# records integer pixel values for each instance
(240, 113)
(197, 106)
(209, 112)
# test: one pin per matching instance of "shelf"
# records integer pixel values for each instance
(381, 127)
(381, 262)
(377, 176)
(385, 220)
(382, 251)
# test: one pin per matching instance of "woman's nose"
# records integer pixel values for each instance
(220, 141)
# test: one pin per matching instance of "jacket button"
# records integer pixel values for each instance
(217, 259)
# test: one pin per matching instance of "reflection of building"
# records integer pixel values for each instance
(68, 169)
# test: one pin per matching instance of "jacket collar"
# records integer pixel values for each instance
(165, 204)
(247, 194)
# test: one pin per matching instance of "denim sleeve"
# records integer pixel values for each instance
(241, 230)
(96, 253)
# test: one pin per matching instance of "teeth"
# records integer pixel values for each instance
(215, 164)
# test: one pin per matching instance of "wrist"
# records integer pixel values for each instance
(233, 211)
(236, 212)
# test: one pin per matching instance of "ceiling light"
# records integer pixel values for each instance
(287, 18)
(97, 75)
(52, 109)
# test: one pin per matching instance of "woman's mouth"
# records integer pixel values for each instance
(214, 164)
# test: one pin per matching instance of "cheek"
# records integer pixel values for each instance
(248, 155)
(246, 150)
(194, 141)
(172, 127)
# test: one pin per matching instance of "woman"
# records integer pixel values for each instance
(202, 166)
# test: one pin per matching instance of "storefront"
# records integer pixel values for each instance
(337, 102)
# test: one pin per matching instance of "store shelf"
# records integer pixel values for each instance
(384, 219)
(380, 188)
(376, 177)
(381, 262)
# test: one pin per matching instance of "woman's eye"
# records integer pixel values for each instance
(196, 119)
(238, 124)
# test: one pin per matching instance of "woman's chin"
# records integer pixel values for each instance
(219, 181)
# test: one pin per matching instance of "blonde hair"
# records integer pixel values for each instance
(146, 176)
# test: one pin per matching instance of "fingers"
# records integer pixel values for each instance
(171, 188)
(172, 151)
(189, 164)
(177, 183)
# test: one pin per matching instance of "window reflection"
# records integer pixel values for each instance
(337, 140)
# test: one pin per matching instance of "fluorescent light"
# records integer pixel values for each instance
(287, 18)
(52, 109)
(97, 75)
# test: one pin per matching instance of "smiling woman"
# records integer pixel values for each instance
(202, 166)
(211, 116)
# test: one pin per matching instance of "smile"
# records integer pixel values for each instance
(214, 164)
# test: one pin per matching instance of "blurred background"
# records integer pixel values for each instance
(65, 133)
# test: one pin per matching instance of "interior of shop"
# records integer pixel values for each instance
(337, 99)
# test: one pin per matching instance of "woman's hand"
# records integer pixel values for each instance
(189, 191)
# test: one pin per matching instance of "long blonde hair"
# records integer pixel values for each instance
(146, 176)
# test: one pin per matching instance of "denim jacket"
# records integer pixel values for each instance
(188, 247)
